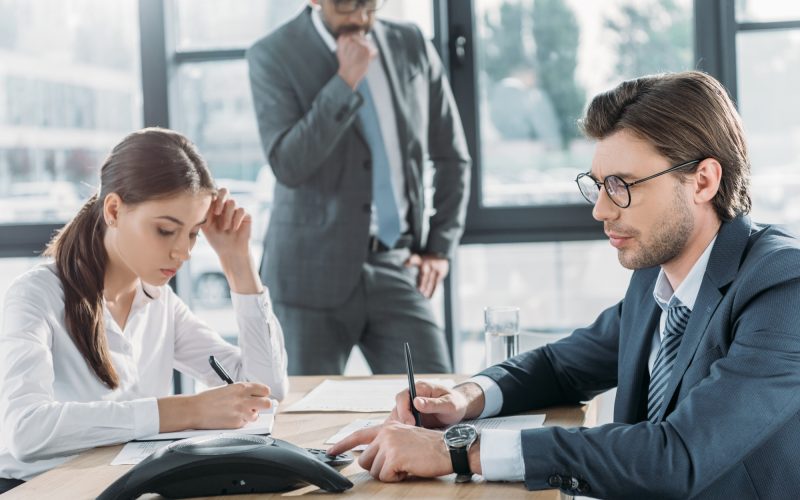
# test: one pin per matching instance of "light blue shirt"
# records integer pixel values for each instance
(501, 450)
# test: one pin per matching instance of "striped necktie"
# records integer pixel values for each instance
(677, 318)
(382, 191)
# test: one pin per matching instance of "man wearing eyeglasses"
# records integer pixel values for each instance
(704, 349)
(350, 109)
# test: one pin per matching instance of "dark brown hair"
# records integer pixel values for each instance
(149, 164)
(685, 116)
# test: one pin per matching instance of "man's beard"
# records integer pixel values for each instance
(668, 239)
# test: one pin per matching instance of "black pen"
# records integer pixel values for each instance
(412, 391)
(220, 370)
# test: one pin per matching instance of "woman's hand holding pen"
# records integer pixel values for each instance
(227, 230)
(227, 407)
(231, 406)
(438, 406)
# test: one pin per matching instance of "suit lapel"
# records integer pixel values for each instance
(637, 348)
(317, 59)
(723, 265)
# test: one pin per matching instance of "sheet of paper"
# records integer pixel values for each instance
(369, 396)
(355, 425)
(136, 451)
(261, 426)
(513, 422)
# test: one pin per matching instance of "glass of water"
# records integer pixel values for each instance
(501, 330)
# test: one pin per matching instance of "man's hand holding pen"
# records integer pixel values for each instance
(398, 449)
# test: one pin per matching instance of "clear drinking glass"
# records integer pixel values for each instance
(501, 331)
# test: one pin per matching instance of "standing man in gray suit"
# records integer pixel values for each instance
(349, 110)
(704, 349)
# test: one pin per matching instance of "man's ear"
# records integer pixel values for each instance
(706, 180)
(112, 204)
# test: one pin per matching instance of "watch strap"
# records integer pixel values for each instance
(460, 459)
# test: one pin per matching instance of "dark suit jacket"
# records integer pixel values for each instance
(307, 117)
(731, 427)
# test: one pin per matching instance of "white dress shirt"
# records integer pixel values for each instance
(382, 95)
(501, 450)
(52, 405)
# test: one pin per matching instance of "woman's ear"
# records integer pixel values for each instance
(112, 204)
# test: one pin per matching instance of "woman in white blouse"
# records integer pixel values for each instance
(89, 342)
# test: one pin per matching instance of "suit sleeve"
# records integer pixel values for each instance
(296, 140)
(749, 394)
(448, 152)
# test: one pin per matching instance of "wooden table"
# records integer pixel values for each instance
(87, 475)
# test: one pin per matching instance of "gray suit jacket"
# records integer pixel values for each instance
(307, 116)
(731, 425)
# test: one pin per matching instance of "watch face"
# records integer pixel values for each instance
(460, 435)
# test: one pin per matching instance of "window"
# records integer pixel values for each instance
(768, 67)
(539, 63)
(766, 10)
(203, 25)
(69, 91)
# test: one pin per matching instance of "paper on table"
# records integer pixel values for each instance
(135, 451)
(355, 425)
(513, 422)
(261, 426)
(372, 395)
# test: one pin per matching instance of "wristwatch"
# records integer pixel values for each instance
(458, 439)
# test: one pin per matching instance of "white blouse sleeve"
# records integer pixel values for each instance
(259, 357)
(34, 425)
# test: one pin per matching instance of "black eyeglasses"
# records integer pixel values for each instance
(617, 189)
(352, 6)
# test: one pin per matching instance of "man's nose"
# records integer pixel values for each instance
(604, 209)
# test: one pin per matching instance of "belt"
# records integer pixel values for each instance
(376, 245)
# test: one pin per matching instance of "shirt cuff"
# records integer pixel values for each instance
(501, 455)
(252, 304)
(146, 420)
(493, 396)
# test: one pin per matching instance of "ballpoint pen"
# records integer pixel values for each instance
(220, 370)
(412, 391)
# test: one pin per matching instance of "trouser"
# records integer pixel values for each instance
(9, 484)
(385, 310)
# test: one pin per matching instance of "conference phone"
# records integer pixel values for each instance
(228, 464)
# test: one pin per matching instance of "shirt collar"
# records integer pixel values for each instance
(686, 294)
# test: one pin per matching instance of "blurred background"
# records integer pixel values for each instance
(78, 75)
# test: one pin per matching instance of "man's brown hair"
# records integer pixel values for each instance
(685, 116)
